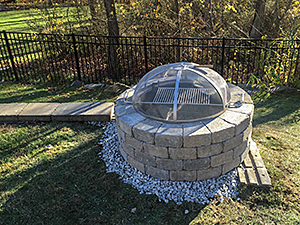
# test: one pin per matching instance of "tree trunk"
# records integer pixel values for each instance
(256, 30)
(113, 41)
(208, 17)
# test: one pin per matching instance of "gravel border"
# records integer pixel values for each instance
(192, 191)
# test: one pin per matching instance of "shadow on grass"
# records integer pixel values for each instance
(74, 188)
(281, 107)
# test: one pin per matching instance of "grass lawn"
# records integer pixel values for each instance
(51, 174)
(16, 92)
(15, 20)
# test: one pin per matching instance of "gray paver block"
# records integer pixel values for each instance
(99, 111)
(134, 143)
(9, 112)
(38, 111)
(195, 135)
(209, 173)
(196, 164)
(169, 164)
(220, 130)
(169, 135)
(232, 143)
(136, 164)
(157, 151)
(240, 120)
(127, 122)
(71, 111)
(183, 153)
(258, 162)
(158, 173)
(221, 158)
(208, 151)
(145, 130)
(145, 158)
(247, 109)
(240, 149)
(121, 110)
(130, 151)
(123, 153)
(183, 175)
(230, 165)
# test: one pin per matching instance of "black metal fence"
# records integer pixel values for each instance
(32, 58)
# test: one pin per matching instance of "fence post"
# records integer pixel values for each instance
(223, 56)
(11, 57)
(145, 53)
(76, 57)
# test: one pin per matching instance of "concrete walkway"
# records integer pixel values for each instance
(78, 111)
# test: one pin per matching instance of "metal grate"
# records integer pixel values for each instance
(195, 96)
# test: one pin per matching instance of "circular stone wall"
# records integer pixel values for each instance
(189, 151)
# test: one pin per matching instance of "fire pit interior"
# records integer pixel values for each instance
(184, 122)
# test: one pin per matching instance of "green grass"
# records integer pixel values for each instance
(51, 174)
(26, 93)
(15, 20)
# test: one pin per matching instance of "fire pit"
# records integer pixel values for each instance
(184, 122)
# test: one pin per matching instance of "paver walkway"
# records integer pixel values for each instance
(78, 111)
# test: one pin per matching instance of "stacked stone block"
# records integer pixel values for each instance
(191, 151)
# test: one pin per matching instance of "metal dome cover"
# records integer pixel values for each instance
(181, 92)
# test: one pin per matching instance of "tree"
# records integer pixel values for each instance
(256, 30)
(113, 32)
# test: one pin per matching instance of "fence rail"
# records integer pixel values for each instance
(32, 58)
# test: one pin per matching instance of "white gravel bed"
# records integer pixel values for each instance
(192, 191)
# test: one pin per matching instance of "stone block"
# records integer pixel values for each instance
(123, 109)
(138, 165)
(183, 175)
(158, 173)
(230, 165)
(70, 111)
(240, 120)
(251, 175)
(208, 151)
(9, 112)
(258, 162)
(39, 112)
(145, 130)
(169, 135)
(157, 151)
(239, 149)
(209, 173)
(99, 111)
(134, 143)
(247, 109)
(220, 130)
(169, 164)
(130, 151)
(233, 142)
(242, 176)
(221, 158)
(247, 133)
(264, 177)
(245, 153)
(127, 121)
(195, 135)
(196, 164)
(183, 153)
(145, 158)
(123, 153)
(121, 133)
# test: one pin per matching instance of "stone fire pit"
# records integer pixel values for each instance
(185, 151)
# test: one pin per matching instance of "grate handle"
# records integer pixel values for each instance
(124, 99)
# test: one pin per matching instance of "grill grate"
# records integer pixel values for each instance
(196, 96)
